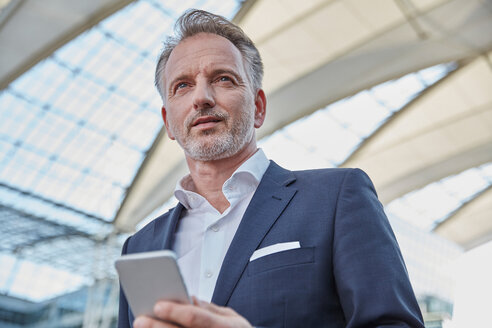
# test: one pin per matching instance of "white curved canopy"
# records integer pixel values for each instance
(471, 225)
(443, 132)
(317, 52)
(73, 132)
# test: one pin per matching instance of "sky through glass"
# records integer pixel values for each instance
(74, 130)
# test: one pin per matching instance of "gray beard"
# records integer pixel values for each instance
(224, 145)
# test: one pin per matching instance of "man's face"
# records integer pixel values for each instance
(210, 107)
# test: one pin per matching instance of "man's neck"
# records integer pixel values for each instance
(209, 176)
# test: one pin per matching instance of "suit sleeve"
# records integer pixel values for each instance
(370, 275)
(123, 320)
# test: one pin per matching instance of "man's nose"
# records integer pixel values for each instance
(203, 96)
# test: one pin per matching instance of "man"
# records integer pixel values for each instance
(267, 247)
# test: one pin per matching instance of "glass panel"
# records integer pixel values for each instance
(334, 132)
(434, 203)
(74, 130)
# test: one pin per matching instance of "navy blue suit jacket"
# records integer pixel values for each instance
(349, 271)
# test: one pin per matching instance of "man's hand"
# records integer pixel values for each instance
(197, 315)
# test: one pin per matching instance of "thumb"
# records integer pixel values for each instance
(212, 307)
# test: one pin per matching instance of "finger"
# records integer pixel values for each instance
(216, 309)
(186, 315)
(146, 322)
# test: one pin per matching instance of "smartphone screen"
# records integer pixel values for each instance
(149, 277)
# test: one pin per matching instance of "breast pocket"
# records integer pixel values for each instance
(281, 259)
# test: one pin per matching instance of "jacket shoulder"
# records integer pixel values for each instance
(332, 175)
(139, 241)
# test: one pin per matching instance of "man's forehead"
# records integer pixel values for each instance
(206, 39)
(203, 48)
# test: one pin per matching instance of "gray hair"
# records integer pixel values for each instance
(196, 21)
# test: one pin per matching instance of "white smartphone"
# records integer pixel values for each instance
(149, 277)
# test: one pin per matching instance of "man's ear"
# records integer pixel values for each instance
(164, 117)
(260, 108)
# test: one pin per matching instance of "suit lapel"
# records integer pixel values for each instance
(165, 228)
(271, 198)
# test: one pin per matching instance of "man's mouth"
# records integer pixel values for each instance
(206, 120)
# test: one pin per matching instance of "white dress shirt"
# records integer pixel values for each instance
(203, 234)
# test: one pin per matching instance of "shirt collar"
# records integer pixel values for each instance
(254, 167)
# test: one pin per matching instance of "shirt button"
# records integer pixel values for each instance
(215, 228)
(209, 274)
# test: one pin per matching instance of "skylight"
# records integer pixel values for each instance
(328, 136)
(434, 203)
(76, 127)
(73, 132)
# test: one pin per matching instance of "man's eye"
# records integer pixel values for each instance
(225, 79)
(181, 85)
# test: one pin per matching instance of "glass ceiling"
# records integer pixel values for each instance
(327, 137)
(75, 129)
(434, 203)
(73, 132)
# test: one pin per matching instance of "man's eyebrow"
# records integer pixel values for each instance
(215, 72)
(219, 71)
(179, 78)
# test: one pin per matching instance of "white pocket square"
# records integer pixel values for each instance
(274, 249)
